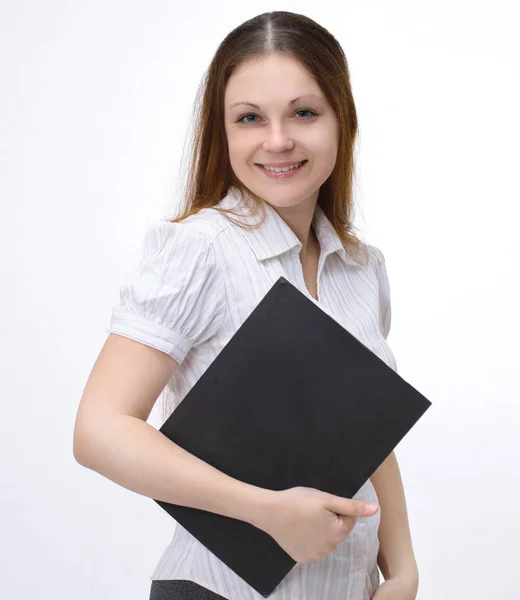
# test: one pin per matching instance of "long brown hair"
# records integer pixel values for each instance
(210, 175)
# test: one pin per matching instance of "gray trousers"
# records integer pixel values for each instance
(180, 589)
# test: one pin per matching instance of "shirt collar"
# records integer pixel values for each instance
(275, 237)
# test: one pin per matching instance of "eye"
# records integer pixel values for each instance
(302, 110)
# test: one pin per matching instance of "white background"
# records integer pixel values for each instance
(96, 100)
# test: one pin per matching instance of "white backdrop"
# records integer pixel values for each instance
(96, 100)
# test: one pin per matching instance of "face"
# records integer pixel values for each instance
(279, 130)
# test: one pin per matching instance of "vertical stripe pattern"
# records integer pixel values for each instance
(196, 283)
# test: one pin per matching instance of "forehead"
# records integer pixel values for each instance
(259, 79)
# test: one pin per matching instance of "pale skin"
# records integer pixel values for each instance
(274, 133)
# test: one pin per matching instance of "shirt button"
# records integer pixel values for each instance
(359, 563)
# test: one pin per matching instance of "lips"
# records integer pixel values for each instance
(283, 175)
(300, 162)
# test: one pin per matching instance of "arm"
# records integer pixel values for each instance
(395, 558)
(112, 437)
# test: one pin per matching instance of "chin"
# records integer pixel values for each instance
(285, 196)
(282, 201)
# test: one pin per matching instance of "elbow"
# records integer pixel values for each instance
(91, 438)
(80, 445)
(78, 451)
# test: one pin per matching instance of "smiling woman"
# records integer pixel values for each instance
(275, 133)
(282, 90)
(296, 148)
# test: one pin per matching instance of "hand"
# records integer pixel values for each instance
(397, 589)
(308, 523)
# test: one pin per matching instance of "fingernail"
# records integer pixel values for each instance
(371, 506)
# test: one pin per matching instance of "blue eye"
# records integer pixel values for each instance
(241, 120)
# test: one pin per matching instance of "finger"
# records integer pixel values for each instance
(349, 507)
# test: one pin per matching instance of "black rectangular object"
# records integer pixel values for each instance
(293, 399)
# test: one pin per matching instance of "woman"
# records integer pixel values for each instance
(275, 136)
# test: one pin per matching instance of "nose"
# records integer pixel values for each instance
(277, 140)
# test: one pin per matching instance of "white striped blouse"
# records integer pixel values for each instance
(197, 282)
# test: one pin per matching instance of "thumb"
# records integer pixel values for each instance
(349, 507)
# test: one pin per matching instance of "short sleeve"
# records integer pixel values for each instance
(175, 299)
(385, 306)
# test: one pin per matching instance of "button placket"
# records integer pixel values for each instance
(296, 253)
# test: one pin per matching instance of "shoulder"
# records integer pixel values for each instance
(192, 238)
(366, 256)
(171, 251)
(207, 224)
(176, 297)
(377, 262)
(376, 256)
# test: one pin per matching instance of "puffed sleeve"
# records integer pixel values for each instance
(384, 290)
(175, 299)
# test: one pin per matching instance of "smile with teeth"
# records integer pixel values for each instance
(284, 169)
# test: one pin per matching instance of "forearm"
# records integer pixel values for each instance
(396, 557)
(137, 456)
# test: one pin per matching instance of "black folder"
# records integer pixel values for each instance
(293, 399)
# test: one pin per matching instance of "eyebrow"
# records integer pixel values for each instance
(291, 102)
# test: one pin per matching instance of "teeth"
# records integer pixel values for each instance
(285, 169)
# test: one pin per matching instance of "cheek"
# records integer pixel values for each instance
(331, 154)
(324, 154)
(323, 139)
(238, 147)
